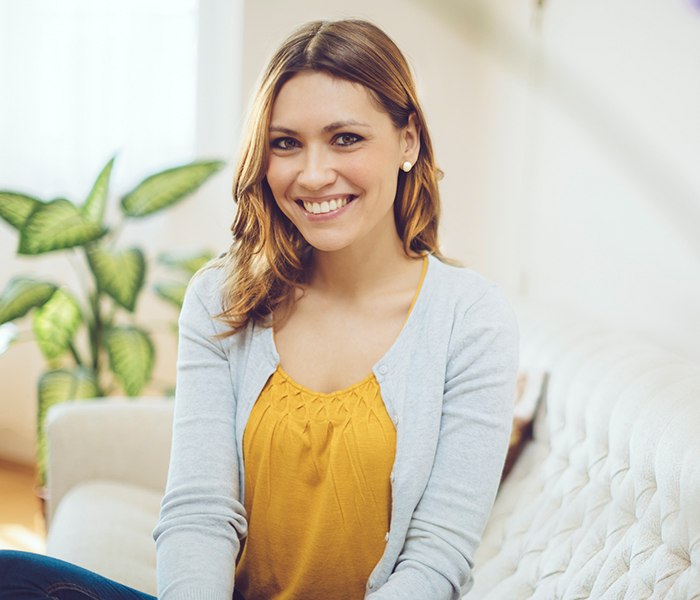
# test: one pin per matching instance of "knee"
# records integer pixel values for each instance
(10, 560)
(15, 570)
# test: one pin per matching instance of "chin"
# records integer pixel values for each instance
(327, 245)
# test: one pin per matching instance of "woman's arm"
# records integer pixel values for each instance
(201, 520)
(446, 527)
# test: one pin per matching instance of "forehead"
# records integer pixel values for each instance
(314, 97)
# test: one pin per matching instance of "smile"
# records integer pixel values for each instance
(326, 206)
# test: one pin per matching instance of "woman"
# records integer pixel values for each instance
(371, 382)
(343, 396)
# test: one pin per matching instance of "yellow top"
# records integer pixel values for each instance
(317, 490)
(318, 495)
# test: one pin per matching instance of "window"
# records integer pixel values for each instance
(85, 79)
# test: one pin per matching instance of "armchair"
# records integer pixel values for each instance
(107, 467)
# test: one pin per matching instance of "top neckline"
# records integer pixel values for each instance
(340, 392)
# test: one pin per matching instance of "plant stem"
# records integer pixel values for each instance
(112, 312)
(76, 356)
(96, 332)
(95, 325)
(80, 272)
(96, 336)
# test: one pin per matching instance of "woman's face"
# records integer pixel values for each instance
(334, 161)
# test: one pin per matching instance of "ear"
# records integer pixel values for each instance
(410, 140)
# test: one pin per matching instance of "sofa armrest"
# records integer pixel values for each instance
(118, 439)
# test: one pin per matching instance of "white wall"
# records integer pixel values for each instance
(610, 183)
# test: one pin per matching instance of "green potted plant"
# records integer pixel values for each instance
(91, 341)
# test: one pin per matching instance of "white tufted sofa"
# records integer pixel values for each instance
(604, 503)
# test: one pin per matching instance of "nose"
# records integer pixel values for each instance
(316, 170)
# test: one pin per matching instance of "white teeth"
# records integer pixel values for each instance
(326, 206)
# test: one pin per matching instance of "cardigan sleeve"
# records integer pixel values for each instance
(201, 518)
(447, 524)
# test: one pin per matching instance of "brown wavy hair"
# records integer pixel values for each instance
(269, 258)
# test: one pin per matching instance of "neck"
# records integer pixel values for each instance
(360, 268)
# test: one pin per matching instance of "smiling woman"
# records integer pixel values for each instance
(344, 396)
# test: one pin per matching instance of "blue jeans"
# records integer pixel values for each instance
(27, 576)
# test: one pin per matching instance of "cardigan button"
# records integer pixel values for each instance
(386, 536)
(371, 584)
(383, 369)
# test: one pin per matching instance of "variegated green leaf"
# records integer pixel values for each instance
(57, 386)
(94, 207)
(188, 264)
(56, 225)
(119, 274)
(167, 187)
(131, 356)
(21, 295)
(15, 208)
(171, 292)
(55, 324)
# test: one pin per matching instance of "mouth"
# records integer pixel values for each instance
(325, 207)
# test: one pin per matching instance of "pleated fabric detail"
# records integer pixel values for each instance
(317, 491)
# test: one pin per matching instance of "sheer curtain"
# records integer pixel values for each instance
(84, 79)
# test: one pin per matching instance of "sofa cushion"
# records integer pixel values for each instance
(605, 502)
(106, 526)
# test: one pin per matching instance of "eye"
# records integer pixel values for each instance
(347, 139)
(284, 143)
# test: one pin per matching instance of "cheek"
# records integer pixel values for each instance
(278, 177)
(376, 173)
(367, 169)
(275, 181)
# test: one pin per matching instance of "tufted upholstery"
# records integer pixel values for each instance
(605, 502)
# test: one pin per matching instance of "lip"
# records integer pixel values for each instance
(325, 216)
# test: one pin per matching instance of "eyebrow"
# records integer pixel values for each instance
(327, 129)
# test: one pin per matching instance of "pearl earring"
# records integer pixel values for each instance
(406, 167)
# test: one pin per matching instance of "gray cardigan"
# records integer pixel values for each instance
(447, 382)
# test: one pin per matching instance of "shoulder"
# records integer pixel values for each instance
(469, 308)
(478, 324)
(208, 286)
(461, 290)
(203, 298)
